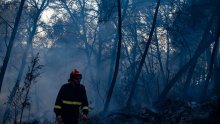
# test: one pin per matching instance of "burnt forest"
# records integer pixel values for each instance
(140, 61)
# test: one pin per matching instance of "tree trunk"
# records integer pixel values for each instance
(167, 59)
(117, 59)
(188, 79)
(206, 41)
(11, 42)
(217, 81)
(84, 37)
(134, 82)
(22, 66)
(159, 58)
(213, 57)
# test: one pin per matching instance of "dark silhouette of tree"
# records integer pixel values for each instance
(110, 91)
(188, 79)
(206, 41)
(31, 76)
(11, 42)
(24, 56)
(136, 76)
(159, 58)
(21, 100)
(213, 57)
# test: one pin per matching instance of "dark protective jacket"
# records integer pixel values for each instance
(69, 99)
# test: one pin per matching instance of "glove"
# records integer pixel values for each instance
(59, 119)
(84, 117)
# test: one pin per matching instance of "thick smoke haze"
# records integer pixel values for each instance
(168, 69)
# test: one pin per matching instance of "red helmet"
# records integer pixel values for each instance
(75, 74)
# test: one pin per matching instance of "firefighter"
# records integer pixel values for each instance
(71, 97)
